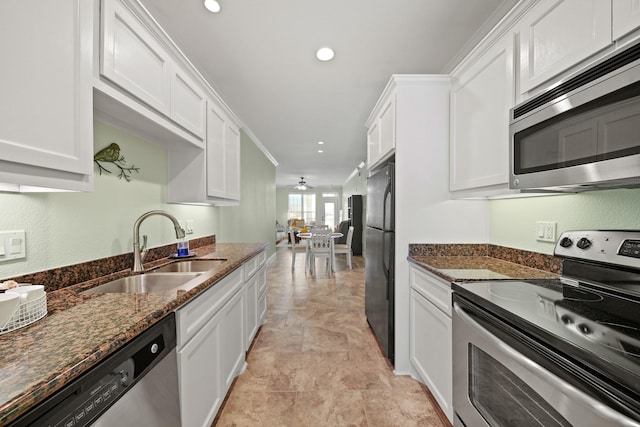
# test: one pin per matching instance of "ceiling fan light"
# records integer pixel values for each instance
(212, 6)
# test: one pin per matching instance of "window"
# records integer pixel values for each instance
(302, 206)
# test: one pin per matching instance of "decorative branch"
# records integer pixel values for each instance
(111, 154)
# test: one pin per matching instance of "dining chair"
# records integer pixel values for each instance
(345, 248)
(300, 247)
(321, 246)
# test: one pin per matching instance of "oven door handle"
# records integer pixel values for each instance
(606, 413)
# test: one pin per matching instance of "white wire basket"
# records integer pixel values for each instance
(26, 314)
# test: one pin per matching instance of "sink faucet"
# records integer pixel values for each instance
(140, 252)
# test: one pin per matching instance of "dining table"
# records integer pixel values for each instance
(307, 238)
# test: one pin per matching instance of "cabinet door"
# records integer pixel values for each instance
(430, 349)
(215, 153)
(251, 310)
(232, 162)
(188, 103)
(481, 97)
(557, 34)
(133, 59)
(232, 337)
(46, 85)
(388, 126)
(199, 373)
(373, 144)
(626, 17)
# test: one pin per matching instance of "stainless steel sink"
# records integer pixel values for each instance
(195, 265)
(144, 283)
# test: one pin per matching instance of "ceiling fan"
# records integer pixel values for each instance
(302, 185)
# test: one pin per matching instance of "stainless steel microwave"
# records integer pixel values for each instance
(583, 133)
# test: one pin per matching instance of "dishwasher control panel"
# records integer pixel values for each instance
(87, 405)
(81, 402)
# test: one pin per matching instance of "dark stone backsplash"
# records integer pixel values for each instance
(62, 277)
(519, 256)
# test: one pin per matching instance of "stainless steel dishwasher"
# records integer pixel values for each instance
(137, 385)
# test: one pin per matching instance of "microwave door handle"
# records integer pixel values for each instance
(532, 371)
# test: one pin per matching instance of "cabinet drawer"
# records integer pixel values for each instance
(435, 289)
(198, 311)
(251, 266)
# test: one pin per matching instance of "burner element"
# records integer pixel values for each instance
(577, 294)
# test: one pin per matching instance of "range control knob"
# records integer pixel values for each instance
(566, 242)
(583, 243)
(566, 319)
(585, 329)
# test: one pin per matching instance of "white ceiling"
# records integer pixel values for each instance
(259, 56)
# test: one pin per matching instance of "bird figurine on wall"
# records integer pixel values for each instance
(111, 154)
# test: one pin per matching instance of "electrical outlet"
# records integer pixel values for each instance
(189, 226)
(546, 231)
(12, 245)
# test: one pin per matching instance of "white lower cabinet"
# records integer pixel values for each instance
(214, 331)
(200, 375)
(210, 348)
(255, 296)
(430, 336)
(251, 310)
(232, 335)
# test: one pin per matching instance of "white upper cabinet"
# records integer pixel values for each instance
(188, 103)
(373, 143)
(232, 161)
(133, 59)
(388, 127)
(626, 17)
(212, 175)
(145, 84)
(381, 133)
(223, 156)
(481, 95)
(557, 34)
(46, 130)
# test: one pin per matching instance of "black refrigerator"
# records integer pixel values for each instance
(379, 258)
(354, 215)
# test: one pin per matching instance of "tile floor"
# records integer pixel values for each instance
(316, 363)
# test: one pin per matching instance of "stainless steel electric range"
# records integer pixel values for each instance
(560, 352)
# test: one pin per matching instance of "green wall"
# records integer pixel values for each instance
(254, 219)
(69, 228)
(512, 221)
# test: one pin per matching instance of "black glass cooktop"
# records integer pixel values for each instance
(599, 326)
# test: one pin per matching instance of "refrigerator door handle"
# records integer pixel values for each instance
(387, 193)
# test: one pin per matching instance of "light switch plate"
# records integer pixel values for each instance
(546, 231)
(12, 245)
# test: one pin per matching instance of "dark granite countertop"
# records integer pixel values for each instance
(82, 329)
(465, 262)
(475, 268)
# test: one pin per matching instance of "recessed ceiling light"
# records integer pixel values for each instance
(320, 151)
(325, 54)
(320, 142)
(212, 6)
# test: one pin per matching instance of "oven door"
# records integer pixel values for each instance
(495, 385)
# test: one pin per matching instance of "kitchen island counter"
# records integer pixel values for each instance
(82, 329)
